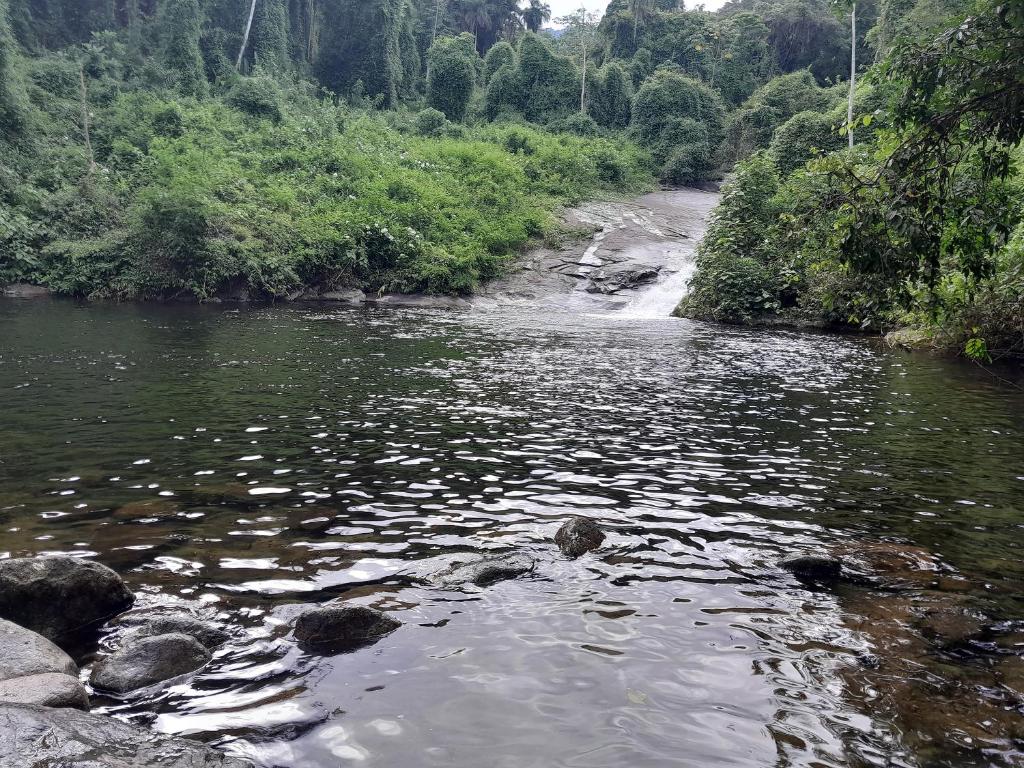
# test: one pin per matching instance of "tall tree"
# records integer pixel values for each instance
(270, 36)
(180, 26)
(536, 14)
(11, 110)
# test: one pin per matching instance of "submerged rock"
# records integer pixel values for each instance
(335, 627)
(813, 567)
(578, 536)
(485, 570)
(181, 624)
(49, 689)
(60, 596)
(24, 652)
(35, 736)
(148, 661)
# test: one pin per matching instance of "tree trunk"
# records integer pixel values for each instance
(245, 37)
(84, 98)
(853, 73)
(583, 90)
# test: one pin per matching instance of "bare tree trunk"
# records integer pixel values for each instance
(433, 37)
(84, 98)
(853, 73)
(245, 37)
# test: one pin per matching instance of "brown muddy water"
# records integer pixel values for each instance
(189, 448)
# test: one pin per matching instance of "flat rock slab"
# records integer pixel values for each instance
(148, 661)
(60, 596)
(337, 628)
(36, 737)
(485, 570)
(49, 689)
(24, 652)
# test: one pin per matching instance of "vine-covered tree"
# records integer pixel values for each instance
(11, 107)
(270, 36)
(180, 24)
(452, 75)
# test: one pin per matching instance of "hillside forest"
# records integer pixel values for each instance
(203, 149)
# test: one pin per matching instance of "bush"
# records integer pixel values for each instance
(258, 97)
(578, 124)
(430, 122)
(500, 55)
(452, 75)
(798, 139)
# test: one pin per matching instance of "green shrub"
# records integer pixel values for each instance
(578, 124)
(257, 96)
(500, 55)
(799, 138)
(611, 103)
(430, 122)
(452, 75)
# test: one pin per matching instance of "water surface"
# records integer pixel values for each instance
(187, 448)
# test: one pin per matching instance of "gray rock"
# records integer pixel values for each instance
(578, 536)
(23, 652)
(335, 627)
(37, 737)
(60, 596)
(25, 291)
(485, 570)
(149, 661)
(345, 297)
(814, 567)
(49, 689)
(181, 624)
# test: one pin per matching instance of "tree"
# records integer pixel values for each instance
(11, 105)
(270, 38)
(641, 11)
(500, 55)
(536, 14)
(611, 105)
(180, 26)
(580, 28)
(452, 75)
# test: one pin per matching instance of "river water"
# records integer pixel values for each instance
(187, 447)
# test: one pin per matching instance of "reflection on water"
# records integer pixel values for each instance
(255, 462)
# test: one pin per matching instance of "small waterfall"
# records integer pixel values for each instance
(660, 299)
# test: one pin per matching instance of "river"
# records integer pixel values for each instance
(189, 447)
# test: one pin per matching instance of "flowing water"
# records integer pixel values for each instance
(189, 448)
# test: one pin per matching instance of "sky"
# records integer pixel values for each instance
(562, 7)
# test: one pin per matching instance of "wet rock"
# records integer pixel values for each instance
(813, 567)
(579, 536)
(60, 596)
(25, 291)
(354, 296)
(49, 689)
(35, 737)
(624, 280)
(316, 524)
(24, 652)
(485, 570)
(207, 634)
(948, 625)
(892, 566)
(148, 661)
(335, 627)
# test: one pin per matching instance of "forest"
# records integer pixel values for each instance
(213, 148)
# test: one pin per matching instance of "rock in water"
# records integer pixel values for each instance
(49, 689)
(60, 596)
(484, 571)
(148, 661)
(337, 627)
(814, 567)
(23, 652)
(177, 624)
(34, 737)
(579, 536)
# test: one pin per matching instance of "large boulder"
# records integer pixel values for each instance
(149, 661)
(485, 570)
(49, 689)
(37, 737)
(333, 628)
(578, 536)
(177, 624)
(814, 567)
(60, 596)
(24, 652)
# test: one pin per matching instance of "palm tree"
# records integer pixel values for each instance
(535, 15)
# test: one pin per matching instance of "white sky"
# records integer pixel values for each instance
(562, 7)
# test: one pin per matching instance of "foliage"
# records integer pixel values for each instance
(611, 102)
(452, 75)
(257, 96)
(499, 56)
(430, 122)
(802, 137)
(180, 22)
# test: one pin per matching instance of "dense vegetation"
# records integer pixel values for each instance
(161, 148)
(917, 225)
(195, 148)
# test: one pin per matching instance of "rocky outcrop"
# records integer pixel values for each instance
(485, 570)
(49, 689)
(625, 279)
(814, 567)
(337, 627)
(205, 633)
(578, 536)
(60, 596)
(37, 737)
(149, 661)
